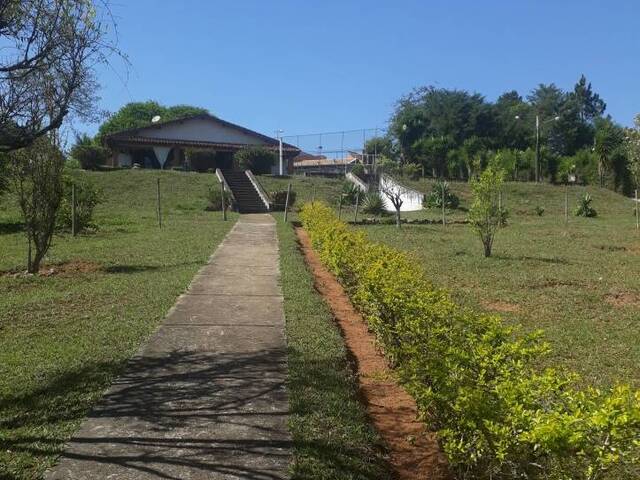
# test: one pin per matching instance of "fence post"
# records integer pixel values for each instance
(74, 228)
(637, 212)
(566, 204)
(223, 203)
(313, 195)
(158, 202)
(340, 208)
(286, 202)
(355, 218)
(444, 220)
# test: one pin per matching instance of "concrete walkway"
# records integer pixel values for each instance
(206, 398)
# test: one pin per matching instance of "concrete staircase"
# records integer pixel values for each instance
(247, 198)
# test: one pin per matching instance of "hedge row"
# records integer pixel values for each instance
(475, 379)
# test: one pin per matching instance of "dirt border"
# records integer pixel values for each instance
(413, 451)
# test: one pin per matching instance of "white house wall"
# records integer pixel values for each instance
(202, 130)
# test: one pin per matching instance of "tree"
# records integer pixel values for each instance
(486, 214)
(432, 153)
(36, 172)
(257, 159)
(88, 154)
(607, 139)
(590, 105)
(379, 146)
(394, 193)
(632, 147)
(139, 114)
(50, 49)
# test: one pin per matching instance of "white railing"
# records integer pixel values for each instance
(226, 186)
(263, 195)
(411, 199)
(357, 181)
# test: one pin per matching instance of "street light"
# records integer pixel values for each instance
(279, 135)
(538, 123)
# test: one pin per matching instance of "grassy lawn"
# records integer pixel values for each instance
(579, 283)
(332, 437)
(64, 337)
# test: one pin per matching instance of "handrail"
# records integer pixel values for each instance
(357, 181)
(227, 188)
(263, 195)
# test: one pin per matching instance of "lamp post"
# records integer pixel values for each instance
(279, 135)
(538, 123)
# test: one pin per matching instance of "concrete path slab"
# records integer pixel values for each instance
(206, 397)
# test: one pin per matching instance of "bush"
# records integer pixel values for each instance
(373, 204)
(350, 193)
(539, 210)
(279, 199)
(434, 199)
(214, 198)
(358, 170)
(257, 159)
(88, 154)
(87, 197)
(498, 415)
(584, 208)
(413, 171)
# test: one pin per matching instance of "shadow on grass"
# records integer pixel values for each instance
(11, 227)
(530, 259)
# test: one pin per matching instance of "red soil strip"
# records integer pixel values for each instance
(414, 452)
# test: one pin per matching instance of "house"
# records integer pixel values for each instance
(199, 142)
(307, 164)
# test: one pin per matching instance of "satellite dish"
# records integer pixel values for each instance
(155, 119)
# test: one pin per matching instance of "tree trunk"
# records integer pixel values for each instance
(487, 248)
(398, 223)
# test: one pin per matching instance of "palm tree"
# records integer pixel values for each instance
(607, 138)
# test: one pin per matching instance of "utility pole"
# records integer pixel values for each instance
(537, 147)
(279, 135)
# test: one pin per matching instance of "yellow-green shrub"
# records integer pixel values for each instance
(475, 379)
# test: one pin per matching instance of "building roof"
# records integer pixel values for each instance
(323, 162)
(149, 135)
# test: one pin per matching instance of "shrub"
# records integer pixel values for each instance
(539, 210)
(36, 173)
(434, 199)
(214, 198)
(477, 380)
(486, 214)
(89, 154)
(584, 208)
(257, 159)
(412, 171)
(87, 197)
(373, 204)
(358, 170)
(279, 199)
(350, 193)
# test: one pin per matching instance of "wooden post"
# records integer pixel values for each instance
(313, 195)
(158, 202)
(286, 202)
(74, 228)
(566, 204)
(340, 208)
(223, 203)
(355, 218)
(444, 220)
(637, 212)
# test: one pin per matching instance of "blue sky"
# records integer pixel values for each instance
(313, 66)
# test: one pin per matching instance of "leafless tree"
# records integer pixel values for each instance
(394, 193)
(36, 173)
(48, 53)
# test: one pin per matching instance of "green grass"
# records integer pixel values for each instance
(64, 338)
(563, 279)
(332, 437)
